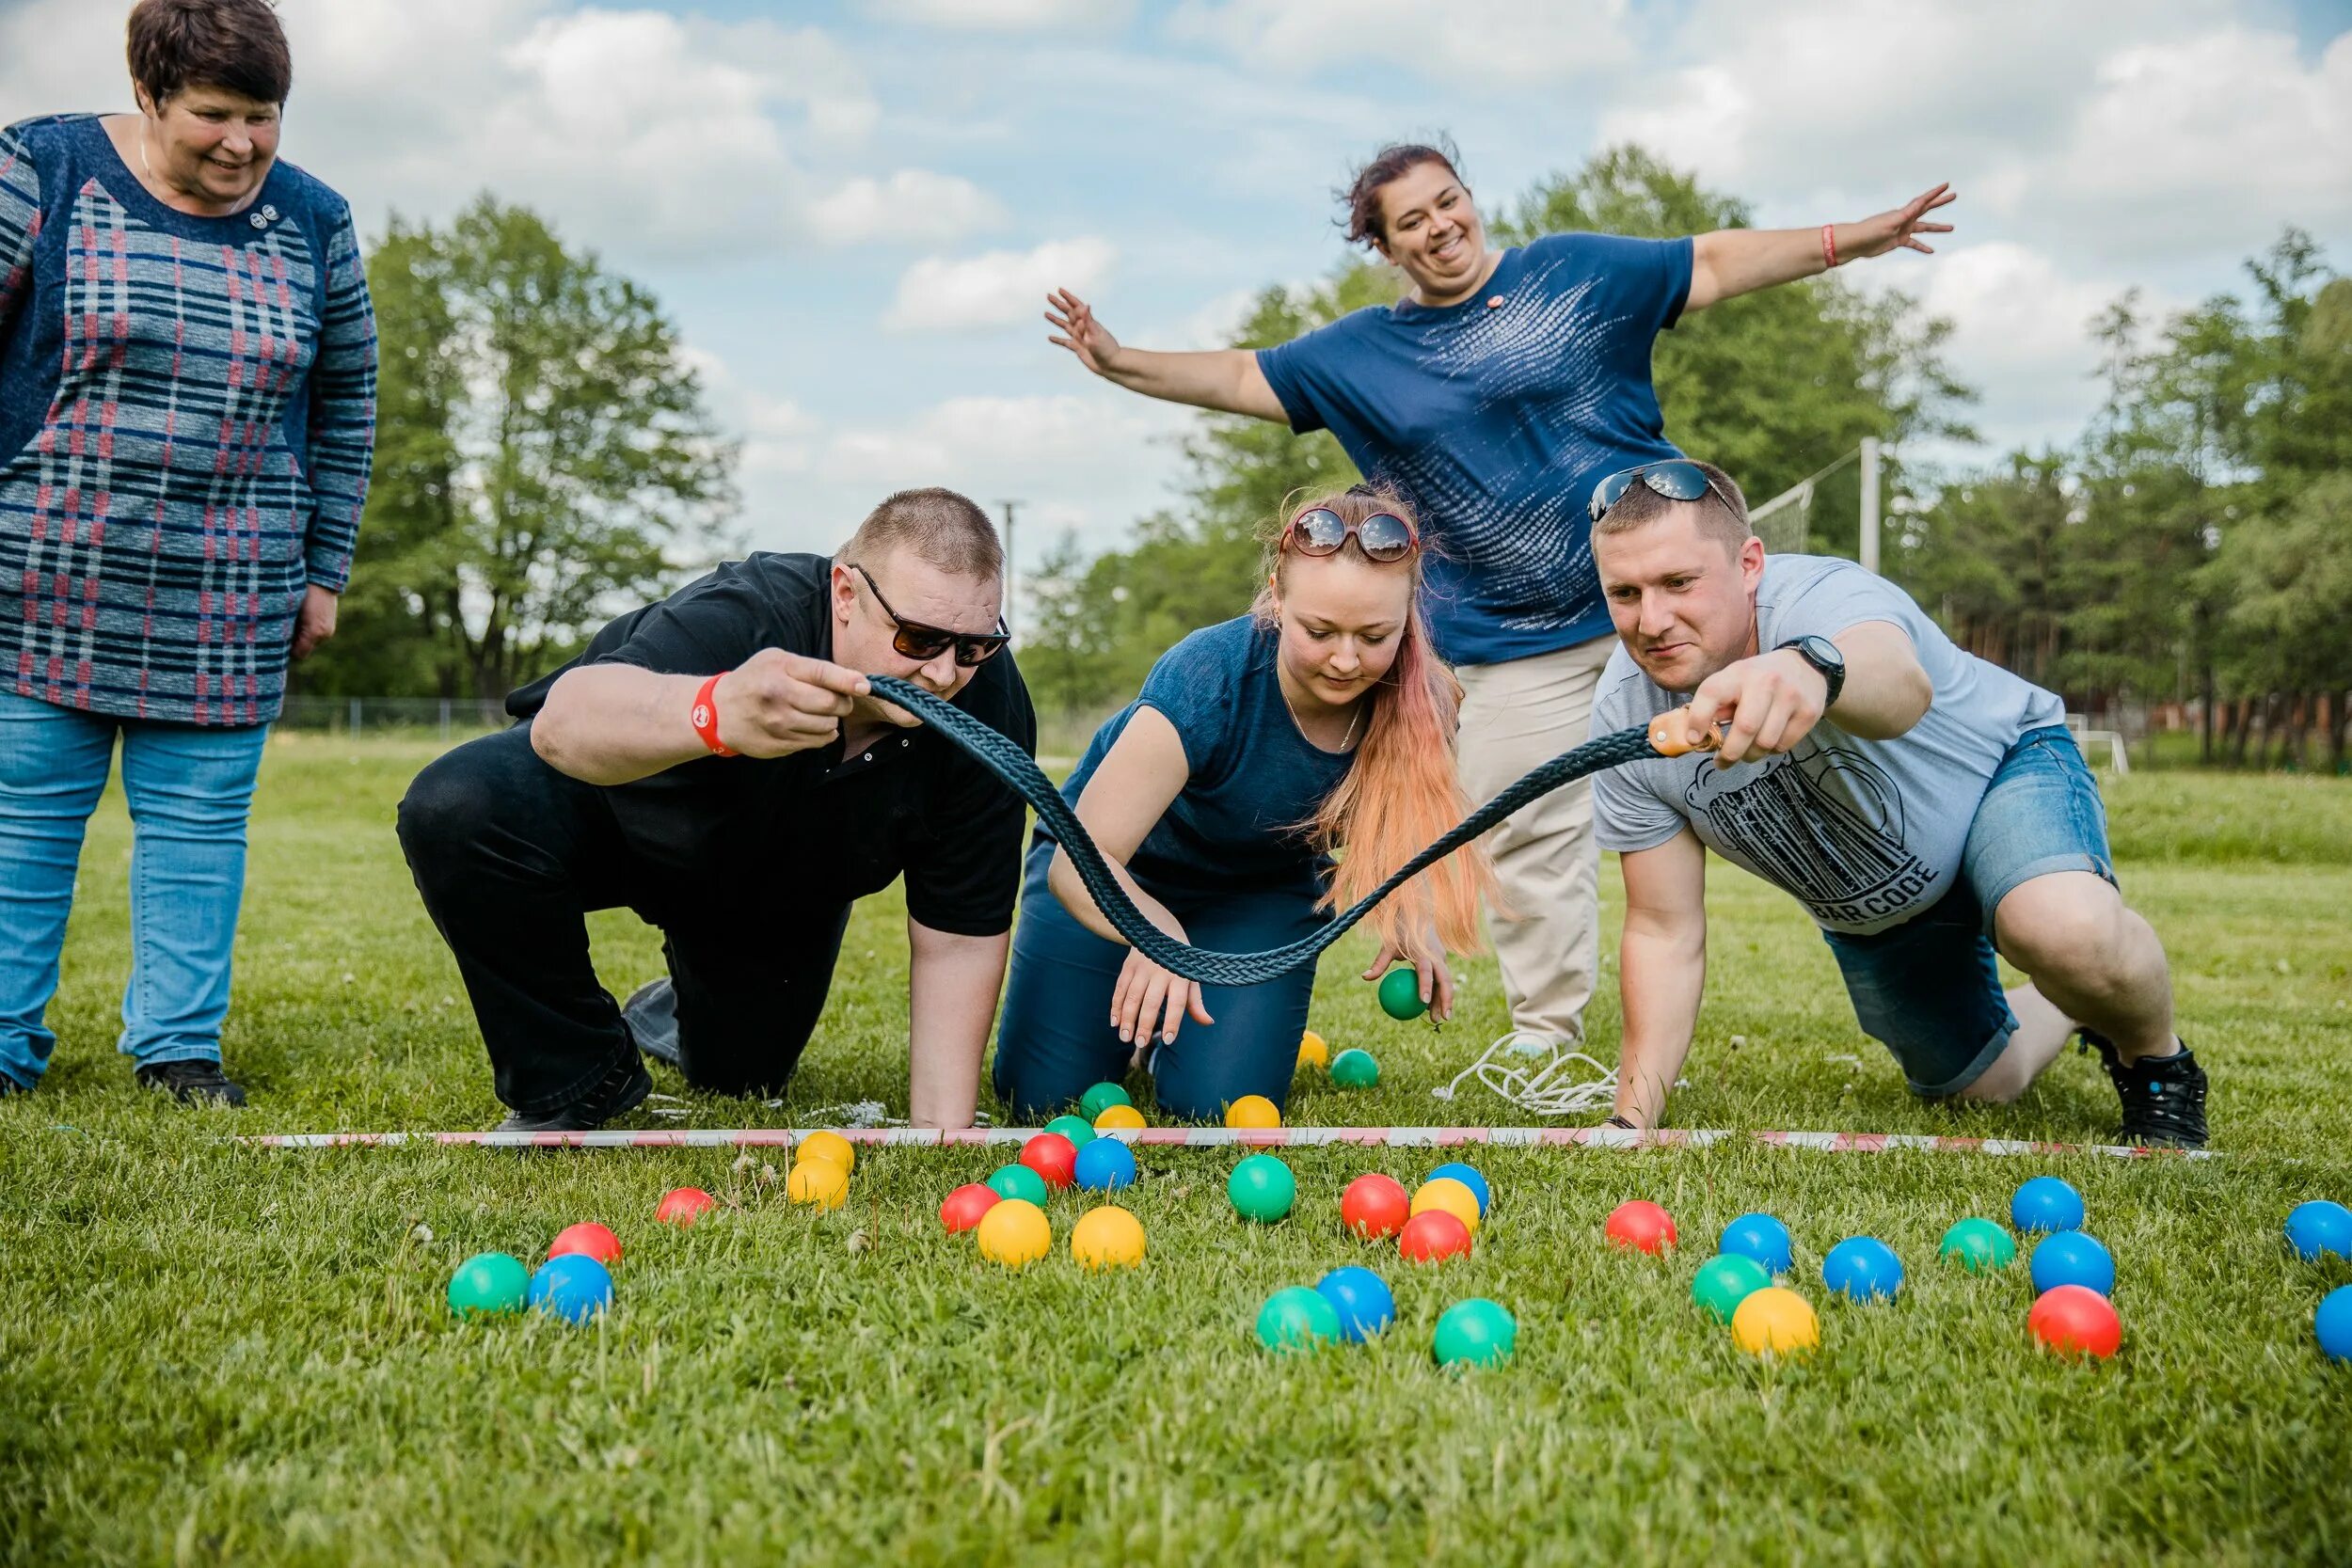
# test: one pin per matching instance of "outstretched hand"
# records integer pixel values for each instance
(1876, 236)
(1075, 329)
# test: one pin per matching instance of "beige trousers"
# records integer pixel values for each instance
(1516, 715)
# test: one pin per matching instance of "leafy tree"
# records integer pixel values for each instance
(545, 457)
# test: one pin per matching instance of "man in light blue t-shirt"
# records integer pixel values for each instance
(1927, 807)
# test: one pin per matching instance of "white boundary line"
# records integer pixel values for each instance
(1221, 1137)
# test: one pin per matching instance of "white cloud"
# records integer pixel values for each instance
(912, 204)
(2022, 337)
(1470, 41)
(1005, 16)
(998, 288)
(2106, 128)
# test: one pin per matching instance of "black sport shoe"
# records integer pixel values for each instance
(197, 1083)
(2163, 1097)
(621, 1091)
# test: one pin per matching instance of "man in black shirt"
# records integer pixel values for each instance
(716, 762)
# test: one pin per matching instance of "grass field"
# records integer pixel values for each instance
(214, 1354)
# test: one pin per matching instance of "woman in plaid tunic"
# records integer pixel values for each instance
(187, 366)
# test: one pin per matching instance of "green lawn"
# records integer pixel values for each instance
(214, 1354)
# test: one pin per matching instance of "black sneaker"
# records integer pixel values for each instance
(621, 1091)
(9, 1085)
(651, 1012)
(197, 1083)
(2163, 1097)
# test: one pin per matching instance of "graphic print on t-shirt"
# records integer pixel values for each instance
(1826, 825)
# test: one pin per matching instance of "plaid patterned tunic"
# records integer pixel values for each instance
(187, 423)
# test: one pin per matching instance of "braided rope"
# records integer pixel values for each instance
(1004, 758)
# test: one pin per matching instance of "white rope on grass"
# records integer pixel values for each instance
(1547, 1087)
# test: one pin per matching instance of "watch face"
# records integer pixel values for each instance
(1823, 651)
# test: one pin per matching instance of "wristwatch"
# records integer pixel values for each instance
(1821, 653)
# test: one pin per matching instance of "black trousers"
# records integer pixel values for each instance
(511, 857)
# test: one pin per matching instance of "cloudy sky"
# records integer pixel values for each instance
(854, 209)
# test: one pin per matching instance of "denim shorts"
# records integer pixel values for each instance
(1929, 989)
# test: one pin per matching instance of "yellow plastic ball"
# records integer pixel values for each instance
(1015, 1233)
(1776, 1321)
(1116, 1117)
(826, 1145)
(1312, 1051)
(1107, 1237)
(819, 1183)
(1252, 1110)
(1452, 1197)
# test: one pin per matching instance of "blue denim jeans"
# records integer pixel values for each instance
(190, 790)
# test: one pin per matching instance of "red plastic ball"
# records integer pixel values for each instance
(2075, 1318)
(1431, 1235)
(965, 1205)
(683, 1206)
(589, 1238)
(1376, 1207)
(1053, 1157)
(1641, 1226)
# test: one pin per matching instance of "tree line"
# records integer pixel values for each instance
(545, 457)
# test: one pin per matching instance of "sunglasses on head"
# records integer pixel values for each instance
(1679, 479)
(1319, 530)
(924, 644)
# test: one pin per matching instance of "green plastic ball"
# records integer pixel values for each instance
(1296, 1319)
(1101, 1097)
(487, 1284)
(1400, 995)
(1019, 1181)
(1262, 1189)
(1474, 1333)
(1355, 1069)
(1977, 1246)
(1076, 1129)
(1724, 1281)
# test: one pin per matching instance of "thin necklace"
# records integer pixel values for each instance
(1346, 741)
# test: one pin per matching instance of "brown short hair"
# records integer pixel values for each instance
(1361, 216)
(1722, 515)
(940, 527)
(236, 44)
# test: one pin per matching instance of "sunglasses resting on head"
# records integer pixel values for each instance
(1319, 530)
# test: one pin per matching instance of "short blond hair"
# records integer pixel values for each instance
(937, 526)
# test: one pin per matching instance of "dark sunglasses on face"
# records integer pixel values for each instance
(1676, 479)
(924, 644)
(1319, 530)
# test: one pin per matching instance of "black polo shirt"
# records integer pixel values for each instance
(816, 826)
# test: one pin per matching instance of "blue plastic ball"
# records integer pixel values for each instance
(1760, 1237)
(575, 1287)
(2319, 1228)
(1862, 1268)
(1105, 1166)
(2072, 1258)
(2047, 1203)
(2334, 1322)
(1468, 1175)
(1362, 1299)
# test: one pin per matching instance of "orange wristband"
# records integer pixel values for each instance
(1829, 246)
(703, 715)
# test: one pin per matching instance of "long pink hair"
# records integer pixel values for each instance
(1402, 790)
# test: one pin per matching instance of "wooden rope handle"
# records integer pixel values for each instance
(1666, 732)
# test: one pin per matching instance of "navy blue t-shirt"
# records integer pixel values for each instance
(1254, 779)
(1496, 420)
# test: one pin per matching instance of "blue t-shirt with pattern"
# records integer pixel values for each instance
(1495, 418)
(1254, 779)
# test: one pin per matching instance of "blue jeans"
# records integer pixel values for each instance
(1929, 989)
(1054, 1037)
(190, 791)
